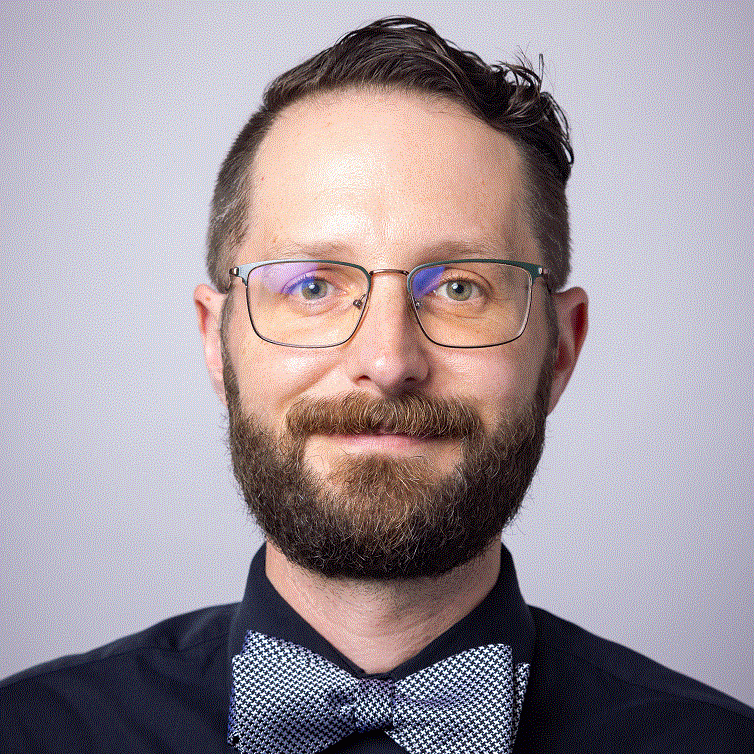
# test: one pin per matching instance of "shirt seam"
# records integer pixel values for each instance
(83, 663)
(648, 687)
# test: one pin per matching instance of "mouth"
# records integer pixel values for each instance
(379, 441)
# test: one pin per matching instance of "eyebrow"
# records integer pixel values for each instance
(458, 249)
(295, 250)
(449, 249)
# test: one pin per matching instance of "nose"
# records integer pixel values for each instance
(388, 352)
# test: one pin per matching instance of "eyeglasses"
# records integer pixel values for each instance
(458, 303)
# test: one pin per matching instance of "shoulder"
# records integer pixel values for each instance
(597, 689)
(165, 668)
(179, 635)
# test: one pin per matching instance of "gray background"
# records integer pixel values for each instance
(118, 504)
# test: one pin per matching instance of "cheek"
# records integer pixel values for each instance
(500, 380)
(271, 378)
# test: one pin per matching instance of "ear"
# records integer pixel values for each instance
(209, 307)
(571, 308)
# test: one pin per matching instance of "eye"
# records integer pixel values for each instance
(312, 288)
(308, 288)
(458, 290)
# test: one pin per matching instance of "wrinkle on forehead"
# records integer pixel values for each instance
(344, 127)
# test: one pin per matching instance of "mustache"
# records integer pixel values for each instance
(410, 414)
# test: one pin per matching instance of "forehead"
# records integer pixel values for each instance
(369, 171)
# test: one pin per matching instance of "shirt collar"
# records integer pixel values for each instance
(502, 617)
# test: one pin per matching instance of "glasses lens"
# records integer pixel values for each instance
(306, 303)
(471, 304)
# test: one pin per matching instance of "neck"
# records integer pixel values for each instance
(376, 624)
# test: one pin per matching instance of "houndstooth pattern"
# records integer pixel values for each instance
(289, 700)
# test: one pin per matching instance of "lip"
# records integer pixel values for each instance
(378, 441)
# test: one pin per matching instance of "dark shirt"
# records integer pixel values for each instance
(167, 689)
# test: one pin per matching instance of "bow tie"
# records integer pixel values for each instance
(289, 700)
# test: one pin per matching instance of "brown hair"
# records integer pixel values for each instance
(405, 54)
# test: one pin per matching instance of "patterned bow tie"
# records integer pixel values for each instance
(289, 700)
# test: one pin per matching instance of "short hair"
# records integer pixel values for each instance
(404, 54)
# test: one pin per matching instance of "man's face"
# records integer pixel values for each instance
(388, 181)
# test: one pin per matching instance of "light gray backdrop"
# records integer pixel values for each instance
(118, 504)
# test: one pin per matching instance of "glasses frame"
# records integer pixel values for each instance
(534, 271)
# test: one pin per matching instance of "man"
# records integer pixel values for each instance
(389, 329)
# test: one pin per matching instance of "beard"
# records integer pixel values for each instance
(378, 517)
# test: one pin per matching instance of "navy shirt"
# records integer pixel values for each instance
(167, 689)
